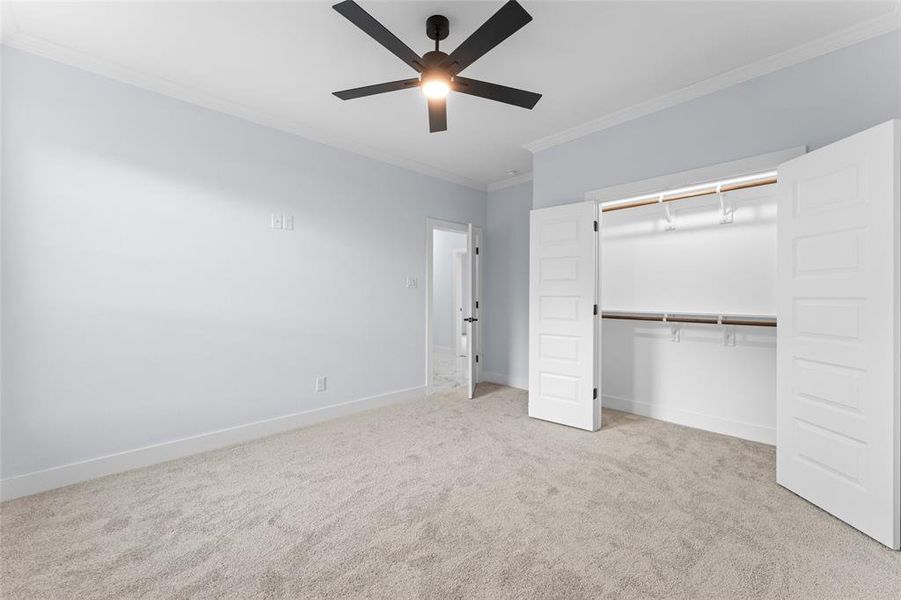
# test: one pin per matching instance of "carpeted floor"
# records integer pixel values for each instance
(446, 498)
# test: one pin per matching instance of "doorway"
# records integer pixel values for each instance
(453, 339)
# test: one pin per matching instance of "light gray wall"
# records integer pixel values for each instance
(145, 297)
(813, 103)
(506, 283)
(443, 317)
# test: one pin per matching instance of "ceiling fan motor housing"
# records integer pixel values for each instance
(433, 59)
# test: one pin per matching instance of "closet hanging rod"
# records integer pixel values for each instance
(708, 191)
(698, 318)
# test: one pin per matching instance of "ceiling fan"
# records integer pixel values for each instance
(438, 71)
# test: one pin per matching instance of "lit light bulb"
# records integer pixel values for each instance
(435, 89)
(435, 85)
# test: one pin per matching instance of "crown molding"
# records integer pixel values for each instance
(510, 181)
(16, 38)
(20, 40)
(841, 39)
(8, 24)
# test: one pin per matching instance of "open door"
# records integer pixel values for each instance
(838, 408)
(562, 315)
(471, 302)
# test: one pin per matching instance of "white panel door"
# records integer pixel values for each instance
(838, 408)
(471, 306)
(562, 322)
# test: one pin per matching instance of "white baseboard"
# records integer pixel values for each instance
(739, 429)
(504, 379)
(48, 479)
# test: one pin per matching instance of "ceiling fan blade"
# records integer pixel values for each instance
(437, 114)
(493, 91)
(362, 19)
(502, 24)
(379, 88)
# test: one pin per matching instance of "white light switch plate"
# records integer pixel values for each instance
(412, 283)
(276, 221)
(320, 384)
(285, 222)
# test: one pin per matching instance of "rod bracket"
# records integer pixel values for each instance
(728, 335)
(675, 330)
(726, 210)
(675, 333)
(669, 216)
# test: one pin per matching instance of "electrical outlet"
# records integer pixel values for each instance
(288, 222)
(320, 384)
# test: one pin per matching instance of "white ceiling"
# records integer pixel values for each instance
(278, 62)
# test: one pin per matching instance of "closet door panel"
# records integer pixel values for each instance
(838, 408)
(562, 281)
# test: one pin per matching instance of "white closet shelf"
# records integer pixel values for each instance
(713, 189)
(699, 318)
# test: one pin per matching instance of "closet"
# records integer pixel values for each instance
(831, 293)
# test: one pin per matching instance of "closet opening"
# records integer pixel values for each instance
(659, 298)
(688, 303)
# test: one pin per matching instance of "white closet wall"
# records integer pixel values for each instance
(700, 266)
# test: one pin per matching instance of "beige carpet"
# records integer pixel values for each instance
(446, 498)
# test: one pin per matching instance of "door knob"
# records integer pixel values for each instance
(470, 319)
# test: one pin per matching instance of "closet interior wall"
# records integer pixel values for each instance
(695, 374)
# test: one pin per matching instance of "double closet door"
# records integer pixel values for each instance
(838, 415)
(838, 371)
(564, 340)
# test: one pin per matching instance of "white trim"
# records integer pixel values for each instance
(48, 479)
(731, 169)
(20, 40)
(479, 292)
(457, 287)
(507, 380)
(739, 429)
(808, 51)
(510, 181)
(8, 24)
(62, 54)
(476, 342)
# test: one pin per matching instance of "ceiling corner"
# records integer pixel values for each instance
(861, 32)
(510, 181)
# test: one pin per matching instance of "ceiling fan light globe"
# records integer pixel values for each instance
(435, 88)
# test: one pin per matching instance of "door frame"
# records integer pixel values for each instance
(441, 225)
(459, 300)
